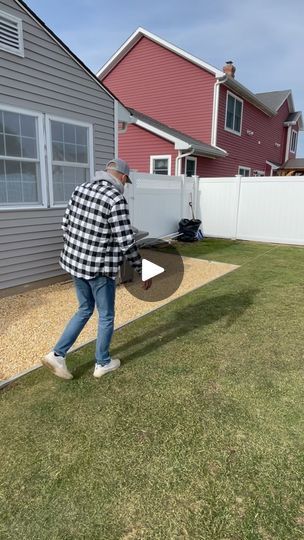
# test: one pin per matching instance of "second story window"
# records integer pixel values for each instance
(234, 111)
(293, 141)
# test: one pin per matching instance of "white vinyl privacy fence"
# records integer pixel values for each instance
(266, 209)
(158, 202)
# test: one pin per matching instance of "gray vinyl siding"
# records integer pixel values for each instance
(30, 243)
(47, 80)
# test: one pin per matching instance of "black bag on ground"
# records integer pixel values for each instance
(187, 229)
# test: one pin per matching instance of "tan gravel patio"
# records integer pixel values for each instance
(30, 323)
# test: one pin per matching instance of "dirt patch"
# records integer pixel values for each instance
(31, 322)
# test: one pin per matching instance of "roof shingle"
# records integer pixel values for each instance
(273, 100)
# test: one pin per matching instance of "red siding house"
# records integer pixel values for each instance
(188, 117)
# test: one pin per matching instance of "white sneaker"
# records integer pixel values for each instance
(57, 365)
(99, 370)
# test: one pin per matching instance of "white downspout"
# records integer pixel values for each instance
(115, 128)
(178, 161)
(216, 95)
(287, 144)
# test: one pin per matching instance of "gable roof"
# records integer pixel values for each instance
(59, 42)
(274, 100)
(218, 74)
(180, 140)
(136, 36)
(294, 118)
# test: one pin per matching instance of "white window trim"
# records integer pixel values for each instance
(296, 141)
(273, 167)
(239, 133)
(168, 157)
(244, 169)
(190, 158)
(49, 152)
(41, 160)
(7, 48)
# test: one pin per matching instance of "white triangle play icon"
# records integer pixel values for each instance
(150, 270)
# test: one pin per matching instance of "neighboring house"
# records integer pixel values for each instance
(56, 128)
(181, 105)
(292, 167)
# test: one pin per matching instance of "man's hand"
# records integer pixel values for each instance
(147, 284)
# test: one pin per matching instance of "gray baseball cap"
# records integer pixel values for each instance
(119, 165)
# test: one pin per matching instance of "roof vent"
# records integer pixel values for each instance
(229, 69)
(11, 39)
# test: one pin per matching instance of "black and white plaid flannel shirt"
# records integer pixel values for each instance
(97, 232)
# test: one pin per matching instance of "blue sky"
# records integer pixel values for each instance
(264, 38)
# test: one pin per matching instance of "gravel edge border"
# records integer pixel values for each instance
(7, 382)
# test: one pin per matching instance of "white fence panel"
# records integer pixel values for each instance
(129, 195)
(217, 206)
(265, 209)
(156, 203)
(189, 196)
(271, 210)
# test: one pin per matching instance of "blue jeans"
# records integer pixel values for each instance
(99, 291)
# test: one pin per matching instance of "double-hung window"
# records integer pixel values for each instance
(20, 159)
(244, 171)
(234, 113)
(24, 150)
(70, 158)
(160, 165)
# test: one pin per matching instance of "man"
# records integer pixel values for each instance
(97, 236)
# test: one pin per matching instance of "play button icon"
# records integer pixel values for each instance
(161, 262)
(150, 270)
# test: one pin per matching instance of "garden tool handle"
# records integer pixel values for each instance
(191, 206)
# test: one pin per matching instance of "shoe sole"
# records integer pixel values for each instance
(50, 366)
(105, 372)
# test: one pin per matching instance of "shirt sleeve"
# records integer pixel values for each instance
(66, 216)
(122, 231)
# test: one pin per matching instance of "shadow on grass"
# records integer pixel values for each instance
(206, 246)
(181, 321)
(203, 249)
(196, 315)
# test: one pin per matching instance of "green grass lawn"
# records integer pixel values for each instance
(198, 436)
